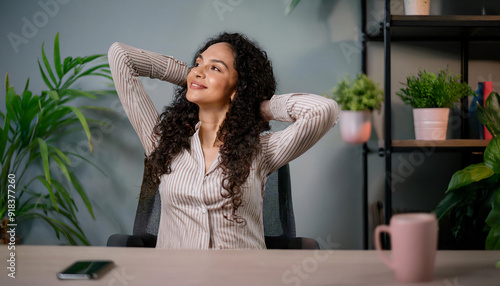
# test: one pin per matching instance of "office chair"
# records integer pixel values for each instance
(279, 222)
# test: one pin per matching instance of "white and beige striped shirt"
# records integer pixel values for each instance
(192, 208)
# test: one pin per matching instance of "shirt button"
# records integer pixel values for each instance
(203, 210)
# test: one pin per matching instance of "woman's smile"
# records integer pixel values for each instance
(212, 79)
(196, 85)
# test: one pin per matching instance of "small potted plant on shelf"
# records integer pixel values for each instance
(471, 206)
(431, 96)
(358, 98)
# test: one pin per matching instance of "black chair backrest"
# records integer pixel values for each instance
(277, 210)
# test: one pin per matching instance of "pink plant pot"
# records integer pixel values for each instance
(355, 126)
(417, 7)
(430, 123)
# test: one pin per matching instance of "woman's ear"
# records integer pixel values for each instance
(233, 96)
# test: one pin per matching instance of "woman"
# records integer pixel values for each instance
(207, 150)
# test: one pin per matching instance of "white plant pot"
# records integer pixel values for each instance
(431, 123)
(355, 126)
(417, 7)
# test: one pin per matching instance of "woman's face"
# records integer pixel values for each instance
(212, 81)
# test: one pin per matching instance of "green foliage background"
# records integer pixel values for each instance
(359, 94)
(31, 129)
(429, 90)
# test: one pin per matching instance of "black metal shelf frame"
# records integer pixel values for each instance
(462, 29)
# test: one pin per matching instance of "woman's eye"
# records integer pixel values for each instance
(215, 68)
(196, 65)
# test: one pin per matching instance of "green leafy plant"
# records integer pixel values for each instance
(430, 90)
(358, 95)
(488, 114)
(31, 131)
(472, 201)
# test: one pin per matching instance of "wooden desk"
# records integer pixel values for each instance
(38, 265)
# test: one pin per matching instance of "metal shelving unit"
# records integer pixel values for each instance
(463, 29)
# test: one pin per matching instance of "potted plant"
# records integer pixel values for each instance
(431, 95)
(472, 202)
(358, 98)
(32, 129)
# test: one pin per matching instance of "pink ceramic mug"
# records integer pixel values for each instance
(413, 243)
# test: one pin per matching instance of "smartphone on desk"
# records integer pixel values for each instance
(88, 269)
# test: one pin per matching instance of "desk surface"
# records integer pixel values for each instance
(38, 265)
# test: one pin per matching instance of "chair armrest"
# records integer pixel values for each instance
(303, 243)
(124, 240)
(281, 242)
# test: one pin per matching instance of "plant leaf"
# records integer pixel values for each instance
(450, 201)
(51, 191)
(61, 155)
(13, 105)
(291, 6)
(47, 66)
(84, 123)
(88, 59)
(66, 197)
(489, 115)
(493, 218)
(492, 155)
(79, 93)
(27, 84)
(6, 82)
(88, 161)
(54, 95)
(495, 203)
(62, 166)
(45, 158)
(57, 58)
(5, 136)
(45, 79)
(470, 174)
(101, 74)
(61, 227)
(83, 195)
(493, 239)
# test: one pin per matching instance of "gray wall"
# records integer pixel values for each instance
(310, 50)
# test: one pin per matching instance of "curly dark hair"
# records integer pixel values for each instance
(239, 132)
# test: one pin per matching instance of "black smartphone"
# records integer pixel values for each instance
(89, 269)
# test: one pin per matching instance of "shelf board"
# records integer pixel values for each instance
(443, 145)
(442, 28)
(478, 21)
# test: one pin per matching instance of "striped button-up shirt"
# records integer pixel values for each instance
(192, 208)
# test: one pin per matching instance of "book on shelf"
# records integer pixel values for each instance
(487, 90)
(475, 127)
